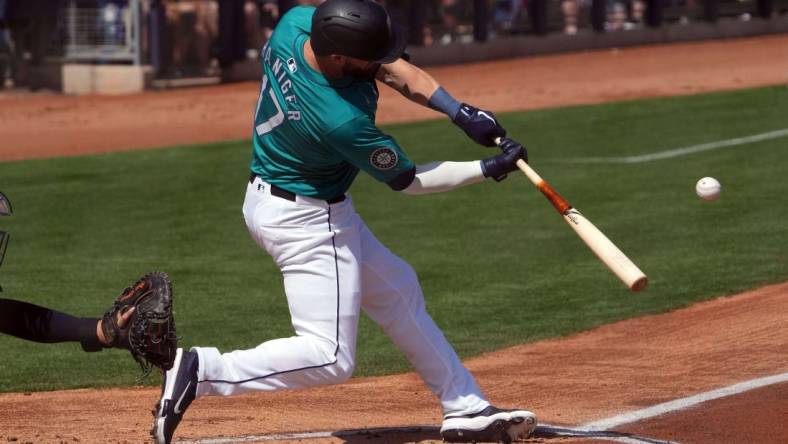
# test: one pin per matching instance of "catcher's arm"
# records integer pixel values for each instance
(42, 324)
(140, 321)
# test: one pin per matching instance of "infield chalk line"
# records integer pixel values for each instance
(659, 155)
(683, 403)
(593, 430)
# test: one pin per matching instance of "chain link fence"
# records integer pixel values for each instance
(98, 31)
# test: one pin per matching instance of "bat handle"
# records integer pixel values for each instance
(528, 171)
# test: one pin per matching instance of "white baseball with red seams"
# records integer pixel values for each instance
(708, 188)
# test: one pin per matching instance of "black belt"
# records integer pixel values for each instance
(284, 194)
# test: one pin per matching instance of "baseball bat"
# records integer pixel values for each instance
(604, 248)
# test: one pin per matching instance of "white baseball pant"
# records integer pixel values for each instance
(333, 266)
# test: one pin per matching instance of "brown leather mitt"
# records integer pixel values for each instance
(150, 333)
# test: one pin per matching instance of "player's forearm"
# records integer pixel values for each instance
(419, 86)
(437, 177)
(40, 324)
(409, 80)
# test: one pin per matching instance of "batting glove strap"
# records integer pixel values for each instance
(500, 165)
(492, 168)
(442, 101)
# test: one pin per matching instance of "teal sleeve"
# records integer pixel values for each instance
(365, 146)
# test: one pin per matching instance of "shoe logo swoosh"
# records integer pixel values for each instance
(177, 410)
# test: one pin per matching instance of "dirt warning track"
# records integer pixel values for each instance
(54, 125)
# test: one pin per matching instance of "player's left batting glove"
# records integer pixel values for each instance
(502, 164)
(479, 125)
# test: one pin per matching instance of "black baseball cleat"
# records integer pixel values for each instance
(177, 391)
(490, 425)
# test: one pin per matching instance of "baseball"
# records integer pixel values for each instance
(708, 188)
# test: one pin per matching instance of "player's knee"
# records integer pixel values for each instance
(341, 366)
(410, 286)
(407, 274)
(343, 370)
(337, 372)
(346, 363)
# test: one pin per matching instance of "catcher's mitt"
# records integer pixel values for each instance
(150, 333)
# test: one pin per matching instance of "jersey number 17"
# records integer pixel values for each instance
(266, 126)
(272, 122)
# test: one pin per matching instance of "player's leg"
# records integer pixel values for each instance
(316, 246)
(392, 296)
(40, 324)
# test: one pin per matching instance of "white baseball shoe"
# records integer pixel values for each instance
(490, 425)
(178, 390)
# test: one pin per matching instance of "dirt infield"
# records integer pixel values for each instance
(597, 374)
(568, 382)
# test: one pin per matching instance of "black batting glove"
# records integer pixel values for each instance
(479, 125)
(502, 164)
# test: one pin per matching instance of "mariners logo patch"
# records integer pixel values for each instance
(383, 159)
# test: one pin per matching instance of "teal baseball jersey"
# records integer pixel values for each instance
(313, 134)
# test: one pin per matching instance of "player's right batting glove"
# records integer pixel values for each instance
(479, 125)
(500, 165)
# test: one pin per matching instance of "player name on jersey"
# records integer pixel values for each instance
(284, 84)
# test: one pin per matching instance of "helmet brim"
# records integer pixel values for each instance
(397, 46)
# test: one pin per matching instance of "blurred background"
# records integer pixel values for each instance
(143, 44)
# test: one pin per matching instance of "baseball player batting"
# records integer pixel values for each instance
(314, 130)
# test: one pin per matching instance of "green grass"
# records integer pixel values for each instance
(498, 266)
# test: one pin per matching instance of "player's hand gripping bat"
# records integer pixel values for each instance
(612, 256)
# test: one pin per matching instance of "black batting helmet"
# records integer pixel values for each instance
(357, 28)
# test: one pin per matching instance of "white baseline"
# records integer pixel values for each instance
(585, 431)
(683, 403)
(667, 154)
